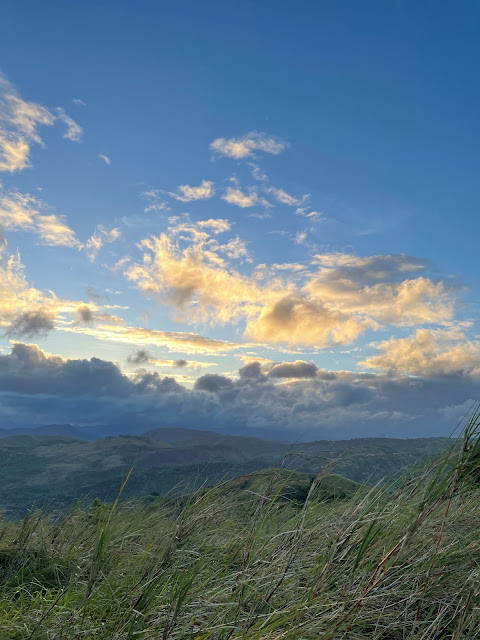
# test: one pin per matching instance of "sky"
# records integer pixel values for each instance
(255, 217)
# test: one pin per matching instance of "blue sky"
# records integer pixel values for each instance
(295, 184)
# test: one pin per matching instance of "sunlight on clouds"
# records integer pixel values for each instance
(54, 232)
(428, 353)
(246, 145)
(179, 341)
(19, 123)
(188, 193)
(234, 195)
(100, 237)
(330, 301)
(23, 212)
(24, 310)
(296, 320)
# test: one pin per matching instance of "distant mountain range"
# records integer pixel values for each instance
(53, 464)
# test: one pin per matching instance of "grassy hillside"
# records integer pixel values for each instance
(61, 469)
(275, 554)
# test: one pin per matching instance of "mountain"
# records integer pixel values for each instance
(61, 469)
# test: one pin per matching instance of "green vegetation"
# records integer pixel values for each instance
(59, 469)
(274, 554)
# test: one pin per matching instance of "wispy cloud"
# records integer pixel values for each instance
(282, 196)
(234, 195)
(178, 341)
(20, 121)
(313, 216)
(104, 158)
(74, 131)
(23, 212)
(79, 102)
(246, 146)
(100, 237)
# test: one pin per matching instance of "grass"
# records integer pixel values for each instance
(266, 556)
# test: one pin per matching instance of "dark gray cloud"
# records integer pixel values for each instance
(251, 370)
(31, 324)
(212, 382)
(85, 314)
(39, 388)
(141, 356)
(298, 369)
(180, 363)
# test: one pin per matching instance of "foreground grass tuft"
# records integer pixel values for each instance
(266, 556)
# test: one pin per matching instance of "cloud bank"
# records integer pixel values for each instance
(289, 400)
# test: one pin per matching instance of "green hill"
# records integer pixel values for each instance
(274, 554)
(60, 469)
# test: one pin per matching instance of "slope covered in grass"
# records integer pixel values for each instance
(275, 554)
(61, 469)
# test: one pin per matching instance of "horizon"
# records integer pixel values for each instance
(241, 219)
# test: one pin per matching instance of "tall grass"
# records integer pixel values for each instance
(245, 559)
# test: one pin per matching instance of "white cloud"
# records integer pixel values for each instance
(234, 195)
(74, 131)
(19, 121)
(23, 212)
(79, 102)
(19, 124)
(314, 216)
(300, 237)
(105, 158)
(282, 196)
(100, 237)
(246, 145)
(188, 193)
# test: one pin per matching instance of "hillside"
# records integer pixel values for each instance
(274, 554)
(60, 469)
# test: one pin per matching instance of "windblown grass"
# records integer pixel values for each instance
(257, 558)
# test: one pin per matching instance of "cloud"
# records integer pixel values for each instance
(188, 193)
(54, 232)
(212, 383)
(20, 121)
(331, 300)
(85, 314)
(74, 131)
(105, 159)
(23, 212)
(234, 195)
(297, 369)
(245, 146)
(313, 216)
(142, 356)
(282, 196)
(182, 342)
(428, 353)
(300, 237)
(296, 320)
(37, 387)
(26, 311)
(79, 102)
(31, 324)
(100, 237)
